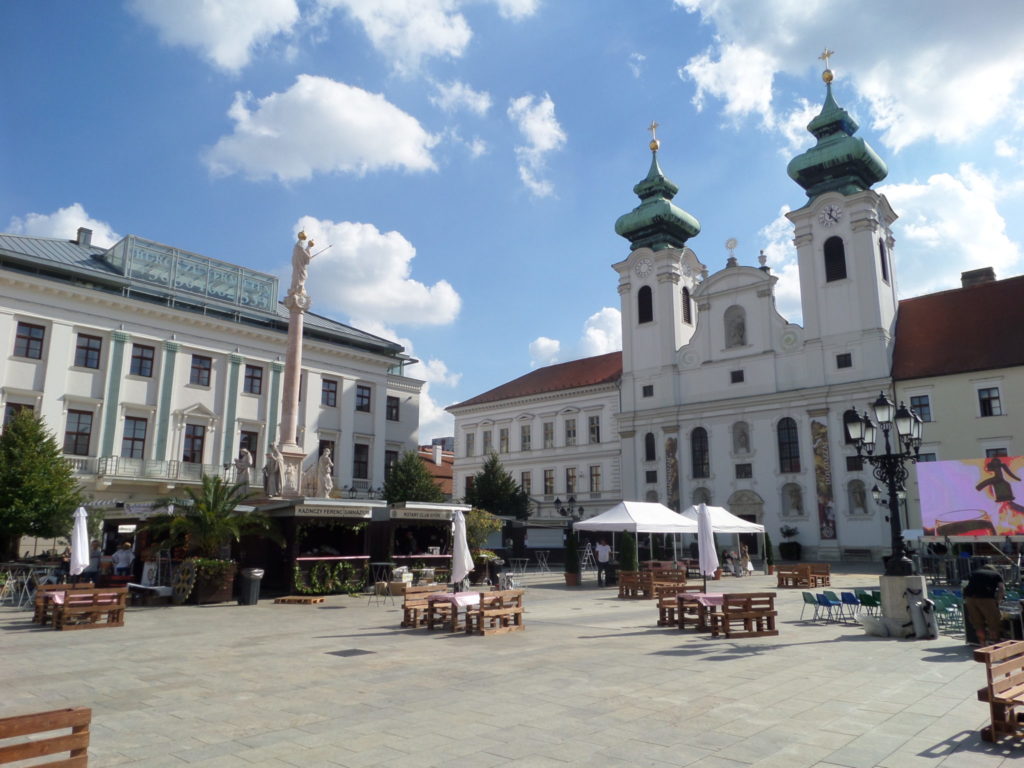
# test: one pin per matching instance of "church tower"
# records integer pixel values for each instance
(656, 282)
(844, 246)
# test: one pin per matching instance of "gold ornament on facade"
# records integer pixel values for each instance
(655, 145)
(827, 75)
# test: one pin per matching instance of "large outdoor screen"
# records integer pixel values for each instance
(972, 497)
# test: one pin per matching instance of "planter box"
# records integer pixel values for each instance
(214, 591)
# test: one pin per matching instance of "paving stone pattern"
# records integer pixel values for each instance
(592, 681)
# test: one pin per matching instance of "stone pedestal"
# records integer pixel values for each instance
(895, 609)
(291, 472)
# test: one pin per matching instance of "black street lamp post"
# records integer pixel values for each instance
(904, 427)
(569, 510)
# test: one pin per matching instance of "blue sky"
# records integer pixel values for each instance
(467, 159)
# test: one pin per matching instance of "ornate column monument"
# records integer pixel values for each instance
(289, 455)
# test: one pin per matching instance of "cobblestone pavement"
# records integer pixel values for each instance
(592, 681)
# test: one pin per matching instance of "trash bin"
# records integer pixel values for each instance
(249, 587)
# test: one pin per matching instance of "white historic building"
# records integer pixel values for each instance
(153, 366)
(720, 398)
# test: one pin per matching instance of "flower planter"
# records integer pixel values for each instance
(214, 590)
(572, 579)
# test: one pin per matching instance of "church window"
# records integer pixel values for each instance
(699, 458)
(644, 305)
(649, 452)
(651, 476)
(744, 471)
(844, 360)
(735, 326)
(647, 390)
(789, 446)
(687, 308)
(883, 260)
(835, 260)
(736, 377)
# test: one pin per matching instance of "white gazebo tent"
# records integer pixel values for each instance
(722, 521)
(638, 517)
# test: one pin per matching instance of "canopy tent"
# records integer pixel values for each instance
(638, 517)
(722, 521)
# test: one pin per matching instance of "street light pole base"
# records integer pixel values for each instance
(899, 566)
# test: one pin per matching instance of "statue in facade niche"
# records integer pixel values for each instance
(740, 438)
(737, 331)
(272, 473)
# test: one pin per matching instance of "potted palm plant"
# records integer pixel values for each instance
(790, 550)
(205, 522)
(572, 560)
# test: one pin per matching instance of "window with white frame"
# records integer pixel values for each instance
(549, 434)
(470, 443)
(594, 428)
(525, 437)
(503, 440)
(989, 403)
(922, 406)
(595, 478)
(570, 431)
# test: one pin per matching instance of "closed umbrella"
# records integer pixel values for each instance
(80, 543)
(462, 558)
(707, 554)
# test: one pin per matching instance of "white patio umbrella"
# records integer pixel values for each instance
(707, 554)
(80, 543)
(462, 558)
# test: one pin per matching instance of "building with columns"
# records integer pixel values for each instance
(721, 399)
(154, 366)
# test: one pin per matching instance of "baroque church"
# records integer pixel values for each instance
(719, 398)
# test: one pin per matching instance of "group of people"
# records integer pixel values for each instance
(740, 565)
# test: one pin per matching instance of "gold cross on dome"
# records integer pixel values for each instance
(826, 55)
(653, 127)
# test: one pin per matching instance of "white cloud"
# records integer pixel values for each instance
(64, 223)
(909, 68)
(793, 127)
(458, 95)
(536, 121)
(602, 332)
(366, 275)
(225, 32)
(516, 9)
(544, 351)
(408, 31)
(435, 371)
(319, 126)
(949, 224)
(477, 147)
(781, 258)
(635, 63)
(1003, 148)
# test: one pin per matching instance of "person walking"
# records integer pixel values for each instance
(746, 566)
(604, 557)
(982, 595)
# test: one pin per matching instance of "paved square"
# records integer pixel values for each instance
(592, 681)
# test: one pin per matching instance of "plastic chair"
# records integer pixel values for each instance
(810, 600)
(851, 604)
(830, 607)
(869, 602)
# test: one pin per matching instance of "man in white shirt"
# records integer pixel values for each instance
(604, 558)
(123, 559)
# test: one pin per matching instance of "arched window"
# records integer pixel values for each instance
(649, 454)
(883, 260)
(735, 319)
(700, 460)
(687, 308)
(789, 446)
(651, 497)
(701, 495)
(792, 500)
(835, 259)
(644, 305)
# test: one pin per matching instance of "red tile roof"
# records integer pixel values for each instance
(965, 329)
(587, 372)
(443, 472)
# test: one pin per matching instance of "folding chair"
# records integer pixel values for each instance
(810, 600)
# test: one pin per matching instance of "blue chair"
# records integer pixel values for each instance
(830, 606)
(809, 600)
(851, 604)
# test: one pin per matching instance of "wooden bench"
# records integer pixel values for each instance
(1004, 692)
(91, 608)
(668, 602)
(498, 612)
(44, 599)
(745, 614)
(804, 575)
(414, 606)
(629, 584)
(75, 743)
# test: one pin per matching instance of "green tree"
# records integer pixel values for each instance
(495, 490)
(628, 560)
(410, 480)
(38, 491)
(208, 518)
(572, 554)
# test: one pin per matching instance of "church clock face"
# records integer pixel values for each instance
(830, 214)
(643, 268)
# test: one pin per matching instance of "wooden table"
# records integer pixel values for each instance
(453, 603)
(701, 603)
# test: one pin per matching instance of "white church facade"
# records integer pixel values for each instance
(723, 400)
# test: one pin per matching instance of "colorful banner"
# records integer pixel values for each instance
(971, 497)
(823, 479)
